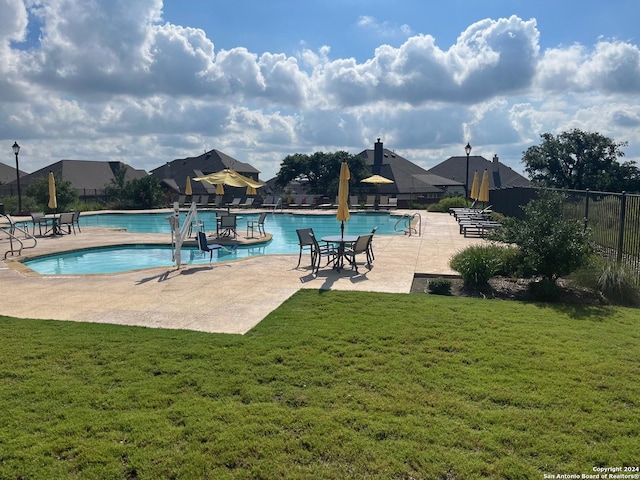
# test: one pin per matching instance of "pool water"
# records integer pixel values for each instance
(132, 257)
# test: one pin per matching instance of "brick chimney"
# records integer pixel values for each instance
(377, 158)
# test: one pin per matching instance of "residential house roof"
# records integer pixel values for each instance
(8, 173)
(87, 175)
(174, 174)
(500, 175)
(406, 175)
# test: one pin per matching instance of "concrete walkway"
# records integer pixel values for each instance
(223, 297)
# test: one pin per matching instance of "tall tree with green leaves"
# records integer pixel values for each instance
(321, 171)
(579, 160)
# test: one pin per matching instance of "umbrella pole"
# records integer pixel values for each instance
(342, 229)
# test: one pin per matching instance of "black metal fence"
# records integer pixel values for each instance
(613, 218)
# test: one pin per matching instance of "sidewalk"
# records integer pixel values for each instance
(228, 297)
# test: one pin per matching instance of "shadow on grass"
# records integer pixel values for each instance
(580, 312)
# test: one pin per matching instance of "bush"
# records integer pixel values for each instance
(617, 284)
(439, 286)
(446, 203)
(477, 264)
(551, 246)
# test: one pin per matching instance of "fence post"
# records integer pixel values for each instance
(623, 215)
(586, 210)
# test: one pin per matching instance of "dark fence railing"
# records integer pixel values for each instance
(613, 218)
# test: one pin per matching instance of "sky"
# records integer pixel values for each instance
(146, 81)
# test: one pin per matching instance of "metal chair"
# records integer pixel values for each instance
(361, 246)
(203, 246)
(228, 225)
(318, 251)
(259, 224)
(305, 241)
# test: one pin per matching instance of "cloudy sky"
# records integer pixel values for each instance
(147, 81)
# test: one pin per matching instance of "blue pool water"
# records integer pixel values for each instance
(133, 257)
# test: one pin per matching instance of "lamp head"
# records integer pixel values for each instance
(467, 149)
(16, 148)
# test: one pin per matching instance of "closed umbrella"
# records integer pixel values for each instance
(475, 186)
(483, 195)
(187, 188)
(53, 200)
(343, 196)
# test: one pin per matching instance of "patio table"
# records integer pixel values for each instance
(341, 241)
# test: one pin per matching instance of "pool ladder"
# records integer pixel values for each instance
(10, 228)
(409, 223)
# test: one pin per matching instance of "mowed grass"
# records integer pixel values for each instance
(331, 385)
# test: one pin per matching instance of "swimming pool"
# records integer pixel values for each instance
(132, 257)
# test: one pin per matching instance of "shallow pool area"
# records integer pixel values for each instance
(114, 259)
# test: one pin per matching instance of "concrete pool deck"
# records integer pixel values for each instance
(223, 297)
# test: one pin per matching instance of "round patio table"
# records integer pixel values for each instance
(341, 241)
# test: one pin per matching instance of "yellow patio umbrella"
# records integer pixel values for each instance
(187, 188)
(53, 199)
(219, 189)
(377, 179)
(475, 186)
(231, 178)
(483, 194)
(251, 190)
(343, 196)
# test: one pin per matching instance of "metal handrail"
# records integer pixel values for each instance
(10, 231)
(410, 220)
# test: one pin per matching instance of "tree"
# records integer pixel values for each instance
(551, 246)
(320, 171)
(66, 195)
(580, 160)
(143, 193)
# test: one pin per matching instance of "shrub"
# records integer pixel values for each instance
(446, 203)
(477, 264)
(440, 286)
(617, 284)
(551, 246)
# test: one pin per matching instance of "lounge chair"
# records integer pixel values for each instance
(361, 246)
(203, 201)
(370, 202)
(353, 201)
(227, 226)
(259, 224)
(181, 200)
(235, 202)
(203, 246)
(268, 202)
(297, 201)
(392, 203)
(247, 203)
(384, 201)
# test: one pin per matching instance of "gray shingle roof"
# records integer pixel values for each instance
(83, 174)
(500, 175)
(408, 177)
(209, 162)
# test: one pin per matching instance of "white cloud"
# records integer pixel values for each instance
(112, 80)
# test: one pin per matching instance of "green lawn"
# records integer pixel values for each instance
(331, 385)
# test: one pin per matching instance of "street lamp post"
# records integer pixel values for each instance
(467, 150)
(16, 150)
